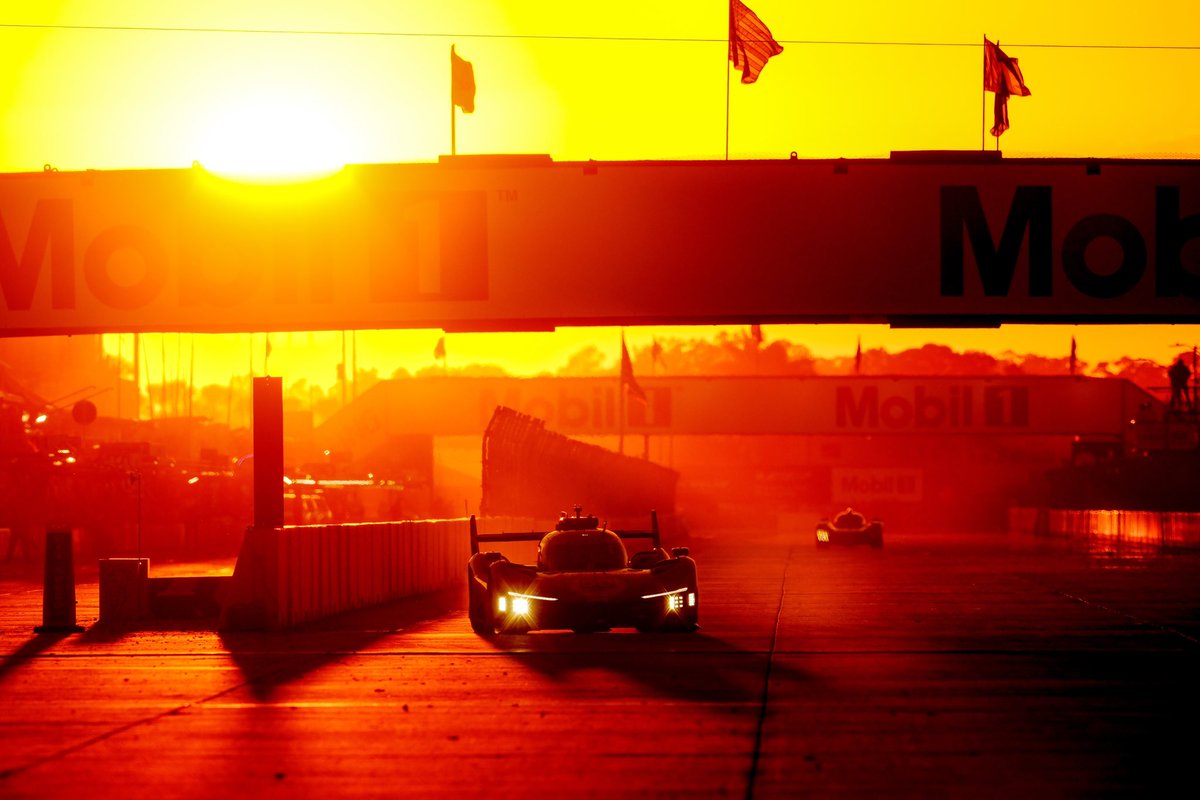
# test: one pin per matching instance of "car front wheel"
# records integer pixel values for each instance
(477, 607)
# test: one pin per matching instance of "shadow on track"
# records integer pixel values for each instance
(30, 650)
(272, 660)
(693, 667)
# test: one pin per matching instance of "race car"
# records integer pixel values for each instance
(850, 528)
(584, 580)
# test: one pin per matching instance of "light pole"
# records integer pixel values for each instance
(135, 477)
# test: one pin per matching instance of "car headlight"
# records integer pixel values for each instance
(822, 536)
(519, 603)
(675, 598)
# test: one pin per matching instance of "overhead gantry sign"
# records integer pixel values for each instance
(522, 243)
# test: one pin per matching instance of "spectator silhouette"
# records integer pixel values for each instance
(1179, 375)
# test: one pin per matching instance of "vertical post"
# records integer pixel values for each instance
(728, 76)
(268, 452)
(983, 101)
(178, 371)
(137, 376)
(58, 586)
(137, 476)
(250, 399)
(997, 93)
(191, 373)
(162, 374)
(621, 417)
(149, 388)
(453, 121)
(120, 337)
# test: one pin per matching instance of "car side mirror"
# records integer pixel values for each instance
(679, 552)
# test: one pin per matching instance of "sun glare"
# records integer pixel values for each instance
(273, 137)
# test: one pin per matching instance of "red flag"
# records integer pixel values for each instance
(439, 349)
(1001, 75)
(628, 383)
(858, 357)
(750, 41)
(756, 333)
(462, 83)
(1073, 361)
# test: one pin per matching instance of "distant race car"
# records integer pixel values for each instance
(583, 580)
(850, 528)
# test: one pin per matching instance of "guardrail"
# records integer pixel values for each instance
(1170, 530)
(295, 574)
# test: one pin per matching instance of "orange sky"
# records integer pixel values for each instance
(620, 80)
(314, 356)
(648, 83)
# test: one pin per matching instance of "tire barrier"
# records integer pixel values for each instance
(1167, 530)
(295, 574)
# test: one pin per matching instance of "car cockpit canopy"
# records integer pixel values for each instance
(581, 551)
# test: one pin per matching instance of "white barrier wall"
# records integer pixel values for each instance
(296, 574)
(1166, 529)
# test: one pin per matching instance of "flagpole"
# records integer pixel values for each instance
(728, 76)
(119, 338)
(621, 399)
(191, 371)
(149, 386)
(453, 132)
(983, 103)
(621, 416)
(162, 371)
(137, 376)
(1005, 101)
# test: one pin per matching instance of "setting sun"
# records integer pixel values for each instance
(268, 133)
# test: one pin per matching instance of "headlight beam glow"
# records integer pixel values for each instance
(664, 594)
(516, 595)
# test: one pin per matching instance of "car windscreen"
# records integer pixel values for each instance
(590, 551)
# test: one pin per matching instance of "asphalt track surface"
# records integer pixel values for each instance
(941, 666)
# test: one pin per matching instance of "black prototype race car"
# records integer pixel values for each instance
(849, 527)
(584, 581)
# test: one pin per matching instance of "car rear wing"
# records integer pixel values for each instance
(536, 536)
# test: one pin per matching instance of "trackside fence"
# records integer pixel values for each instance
(295, 574)
(1169, 530)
